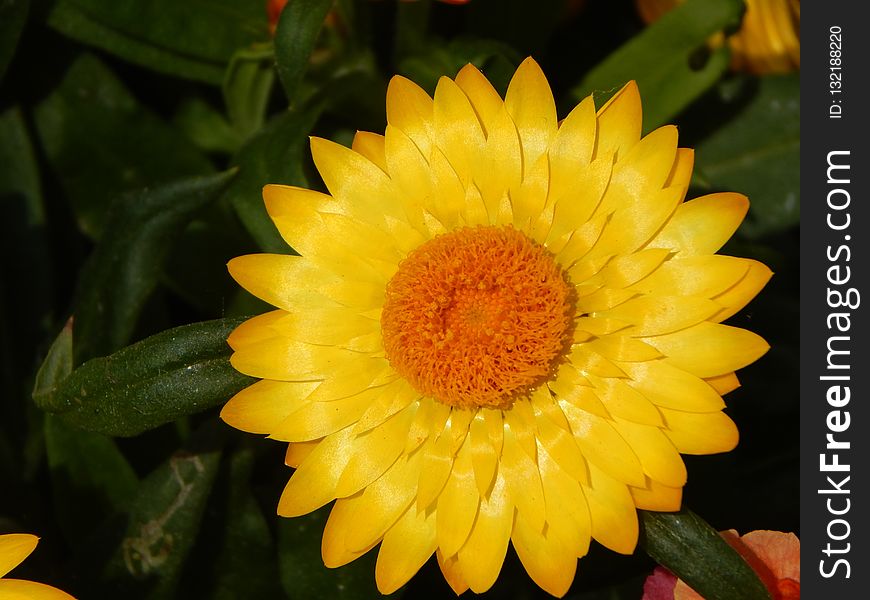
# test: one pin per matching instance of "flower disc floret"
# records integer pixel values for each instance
(477, 316)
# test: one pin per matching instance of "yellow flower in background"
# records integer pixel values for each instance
(768, 40)
(14, 548)
(501, 329)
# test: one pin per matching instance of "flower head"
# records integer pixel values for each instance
(14, 548)
(502, 328)
(768, 40)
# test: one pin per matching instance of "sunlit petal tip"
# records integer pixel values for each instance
(14, 548)
(17, 589)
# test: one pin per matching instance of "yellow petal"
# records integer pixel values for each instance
(288, 360)
(723, 383)
(354, 180)
(296, 283)
(612, 511)
(487, 543)
(700, 433)
(328, 326)
(572, 146)
(623, 401)
(484, 458)
(457, 504)
(668, 386)
(14, 548)
(603, 447)
(312, 223)
(428, 423)
(704, 276)
(382, 503)
(435, 470)
(16, 589)
(315, 420)
(374, 452)
(575, 202)
(681, 172)
(406, 547)
(395, 397)
(523, 481)
(560, 445)
(411, 109)
(298, 452)
(619, 122)
(485, 100)
(635, 219)
(745, 290)
(457, 128)
(622, 347)
(370, 145)
(528, 200)
(452, 572)
(624, 271)
(657, 496)
(333, 548)
(709, 349)
(261, 407)
(256, 329)
(567, 511)
(501, 166)
(546, 557)
(656, 315)
(313, 483)
(530, 104)
(645, 168)
(658, 456)
(702, 225)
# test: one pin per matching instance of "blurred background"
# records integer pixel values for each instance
(135, 137)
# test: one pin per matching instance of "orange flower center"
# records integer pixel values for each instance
(477, 317)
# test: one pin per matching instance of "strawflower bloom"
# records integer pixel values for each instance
(14, 548)
(775, 556)
(768, 40)
(501, 328)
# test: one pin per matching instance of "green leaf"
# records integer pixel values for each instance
(178, 372)
(57, 366)
(295, 37)
(524, 25)
(13, 15)
(757, 151)
(206, 127)
(90, 478)
(26, 296)
(661, 60)
(101, 142)
(123, 270)
(303, 574)
(247, 86)
(163, 521)
(275, 155)
(194, 40)
(434, 60)
(246, 565)
(695, 552)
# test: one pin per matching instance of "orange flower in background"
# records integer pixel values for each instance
(14, 548)
(768, 40)
(773, 555)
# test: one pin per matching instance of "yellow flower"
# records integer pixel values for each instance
(14, 548)
(768, 40)
(501, 328)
